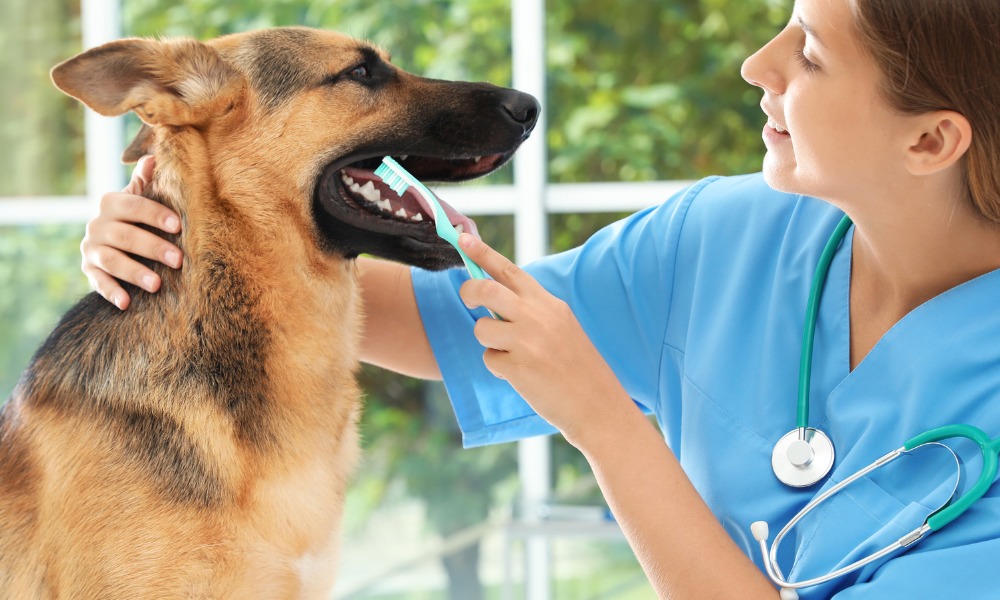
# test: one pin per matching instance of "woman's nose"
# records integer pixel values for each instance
(760, 69)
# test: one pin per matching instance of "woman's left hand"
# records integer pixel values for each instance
(539, 346)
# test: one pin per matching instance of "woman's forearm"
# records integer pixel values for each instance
(678, 541)
(393, 335)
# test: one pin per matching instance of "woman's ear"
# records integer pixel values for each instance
(942, 139)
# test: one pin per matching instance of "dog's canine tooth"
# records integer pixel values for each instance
(401, 213)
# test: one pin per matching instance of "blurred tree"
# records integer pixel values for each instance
(41, 137)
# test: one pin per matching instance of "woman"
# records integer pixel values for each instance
(694, 310)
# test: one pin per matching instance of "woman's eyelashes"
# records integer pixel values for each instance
(807, 64)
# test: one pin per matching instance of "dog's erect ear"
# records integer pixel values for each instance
(176, 82)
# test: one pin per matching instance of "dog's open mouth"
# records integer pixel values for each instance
(360, 213)
(360, 187)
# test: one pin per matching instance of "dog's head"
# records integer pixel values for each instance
(302, 117)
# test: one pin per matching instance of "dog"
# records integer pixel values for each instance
(199, 444)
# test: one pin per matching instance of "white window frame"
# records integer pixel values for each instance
(530, 199)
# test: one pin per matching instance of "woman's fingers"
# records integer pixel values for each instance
(497, 265)
(108, 287)
(102, 234)
(113, 260)
(129, 205)
(133, 208)
(491, 294)
(115, 234)
(141, 175)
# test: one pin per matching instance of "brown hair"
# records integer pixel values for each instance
(943, 55)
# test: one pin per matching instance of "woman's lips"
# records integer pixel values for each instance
(775, 133)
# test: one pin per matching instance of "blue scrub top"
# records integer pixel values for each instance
(698, 305)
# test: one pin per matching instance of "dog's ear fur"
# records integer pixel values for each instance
(141, 145)
(174, 83)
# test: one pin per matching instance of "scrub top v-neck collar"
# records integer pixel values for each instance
(838, 294)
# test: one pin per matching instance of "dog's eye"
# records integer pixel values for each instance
(360, 72)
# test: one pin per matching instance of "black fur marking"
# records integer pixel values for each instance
(278, 68)
(160, 444)
(229, 352)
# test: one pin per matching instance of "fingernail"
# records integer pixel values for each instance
(173, 258)
(148, 282)
(171, 224)
(119, 301)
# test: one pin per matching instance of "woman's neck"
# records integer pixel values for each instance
(915, 246)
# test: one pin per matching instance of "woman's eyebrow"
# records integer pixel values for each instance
(810, 31)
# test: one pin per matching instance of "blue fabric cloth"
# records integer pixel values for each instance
(698, 305)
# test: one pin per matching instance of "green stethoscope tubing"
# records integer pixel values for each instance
(990, 447)
(812, 312)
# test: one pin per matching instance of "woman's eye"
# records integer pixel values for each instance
(361, 72)
(807, 64)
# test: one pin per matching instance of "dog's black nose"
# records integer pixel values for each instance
(522, 108)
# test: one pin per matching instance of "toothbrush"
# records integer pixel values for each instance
(399, 180)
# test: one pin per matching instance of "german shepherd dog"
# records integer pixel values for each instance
(198, 445)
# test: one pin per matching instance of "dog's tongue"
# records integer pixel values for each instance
(411, 202)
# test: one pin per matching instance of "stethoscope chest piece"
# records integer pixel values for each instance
(802, 457)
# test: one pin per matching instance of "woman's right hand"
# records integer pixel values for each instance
(115, 233)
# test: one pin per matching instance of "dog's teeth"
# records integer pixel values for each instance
(417, 217)
(370, 192)
(401, 213)
(460, 228)
(476, 159)
(355, 188)
(404, 157)
(348, 179)
(385, 205)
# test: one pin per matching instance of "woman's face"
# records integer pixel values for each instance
(829, 132)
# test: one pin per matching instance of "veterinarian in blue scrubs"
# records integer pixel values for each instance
(701, 311)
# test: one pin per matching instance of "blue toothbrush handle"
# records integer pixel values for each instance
(474, 270)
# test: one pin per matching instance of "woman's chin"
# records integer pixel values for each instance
(779, 175)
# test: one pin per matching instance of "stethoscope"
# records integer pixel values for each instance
(805, 455)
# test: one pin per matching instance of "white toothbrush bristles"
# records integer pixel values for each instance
(391, 178)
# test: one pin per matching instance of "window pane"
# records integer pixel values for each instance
(41, 133)
(40, 278)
